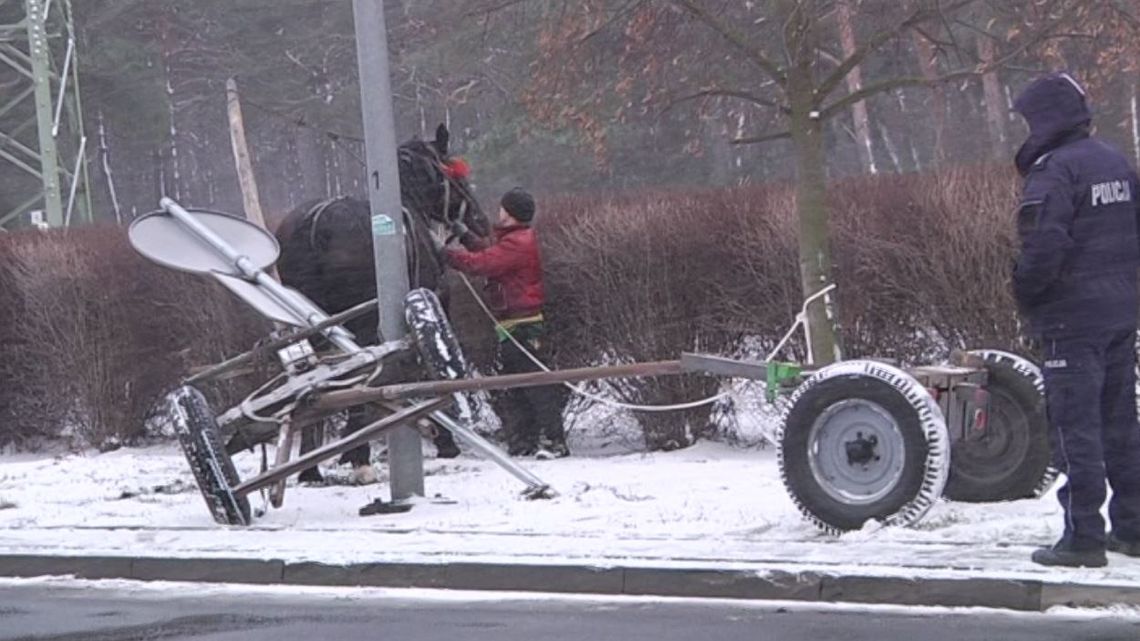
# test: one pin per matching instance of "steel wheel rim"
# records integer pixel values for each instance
(856, 452)
(979, 455)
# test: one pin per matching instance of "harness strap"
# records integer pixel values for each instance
(313, 217)
(504, 328)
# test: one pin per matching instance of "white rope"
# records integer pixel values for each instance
(577, 389)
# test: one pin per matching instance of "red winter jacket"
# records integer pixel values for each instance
(513, 268)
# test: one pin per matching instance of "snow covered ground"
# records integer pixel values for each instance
(707, 505)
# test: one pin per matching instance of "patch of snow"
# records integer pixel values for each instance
(710, 505)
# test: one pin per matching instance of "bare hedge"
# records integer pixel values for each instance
(922, 264)
(91, 334)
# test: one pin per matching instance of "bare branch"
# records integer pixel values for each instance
(738, 41)
(1128, 16)
(622, 12)
(780, 135)
(728, 93)
(488, 9)
(876, 41)
(876, 88)
(1043, 34)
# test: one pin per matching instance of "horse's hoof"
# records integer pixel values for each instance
(363, 475)
(311, 477)
(446, 448)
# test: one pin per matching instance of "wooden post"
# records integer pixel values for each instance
(242, 161)
(337, 400)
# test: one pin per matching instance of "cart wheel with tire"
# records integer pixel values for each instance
(188, 414)
(863, 441)
(436, 342)
(866, 441)
(1008, 457)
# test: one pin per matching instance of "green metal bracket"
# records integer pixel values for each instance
(781, 376)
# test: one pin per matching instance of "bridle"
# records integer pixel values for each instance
(453, 187)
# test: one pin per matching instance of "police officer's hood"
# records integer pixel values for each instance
(1056, 109)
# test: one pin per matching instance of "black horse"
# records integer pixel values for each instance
(326, 254)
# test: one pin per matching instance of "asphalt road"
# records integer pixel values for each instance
(86, 612)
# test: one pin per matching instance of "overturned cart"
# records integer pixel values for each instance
(860, 440)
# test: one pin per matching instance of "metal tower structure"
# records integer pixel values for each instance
(43, 166)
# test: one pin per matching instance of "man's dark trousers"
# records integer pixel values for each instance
(529, 414)
(1090, 384)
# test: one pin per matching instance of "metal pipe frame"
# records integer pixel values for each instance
(278, 343)
(47, 89)
(306, 313)
(536, 487)
(282, 472)
(310, 381)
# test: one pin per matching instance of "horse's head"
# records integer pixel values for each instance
(433, 184)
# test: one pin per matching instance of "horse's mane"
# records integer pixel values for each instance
(428, 191)
(420, 176)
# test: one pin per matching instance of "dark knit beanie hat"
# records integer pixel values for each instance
(519, 204)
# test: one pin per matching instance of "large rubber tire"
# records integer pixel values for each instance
(189, 415)
(1011, 460)
(863, 441)
(438, 346)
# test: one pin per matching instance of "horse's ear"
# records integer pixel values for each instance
(442, 137)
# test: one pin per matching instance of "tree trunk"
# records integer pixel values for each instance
(995, 100)
(718, 154)
(937, 93)
(915, 157)
(892, 152)
(855, 83)
(811, 207)
(1135, 120)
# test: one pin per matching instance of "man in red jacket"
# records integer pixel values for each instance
(512, 265)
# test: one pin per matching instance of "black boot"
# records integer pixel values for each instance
(1127, 548)
(1063, 555)
(445, 446)
(311, 476)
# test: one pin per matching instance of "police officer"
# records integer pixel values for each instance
(1076, 283)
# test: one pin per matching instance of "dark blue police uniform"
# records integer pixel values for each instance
(1076, 282)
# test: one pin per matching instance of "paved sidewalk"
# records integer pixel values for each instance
(938, 574)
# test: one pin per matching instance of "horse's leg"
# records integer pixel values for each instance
(310, 440)
(361, 456)
(444, 442)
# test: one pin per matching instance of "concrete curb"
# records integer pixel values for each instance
(807, 586)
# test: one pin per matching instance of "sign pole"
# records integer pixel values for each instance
(405, 455)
